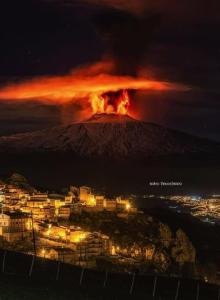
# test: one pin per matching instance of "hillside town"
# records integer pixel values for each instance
(83, 227)
(40, 221)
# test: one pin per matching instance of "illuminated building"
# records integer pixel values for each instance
(110, 205)
(57, 203)
(77, 236)
(2, 196)
(58, 200)
(40, 213)
(123, 203)
(40, 200)
(84, 193)
(64, 212)
(100, 200)
(68, 199)
(86, 196)
(59, 253)
(12, 193)
(54, 232)
(91, 201)
(11, 189)
(93, 245)
(15, 226)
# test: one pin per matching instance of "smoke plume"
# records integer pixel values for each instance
(127, 37)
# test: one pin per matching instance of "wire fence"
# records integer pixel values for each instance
(104, 284)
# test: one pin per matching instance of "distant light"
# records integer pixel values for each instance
(195, 198)
(128, 206)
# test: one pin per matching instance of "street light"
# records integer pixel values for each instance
(128, 206)
(43, 252)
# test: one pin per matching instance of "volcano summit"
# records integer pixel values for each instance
(108, 136)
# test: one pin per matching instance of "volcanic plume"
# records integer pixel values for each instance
(94, 85)
(127, 38)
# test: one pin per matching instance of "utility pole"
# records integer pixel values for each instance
(177, 290)
(154, 287)
(132, 284)
(33, 234)
(219, 294)
(197, 291)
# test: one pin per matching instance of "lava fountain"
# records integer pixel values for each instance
(111, 102)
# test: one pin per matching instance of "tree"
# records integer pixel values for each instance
(183, 250)
(165, 235)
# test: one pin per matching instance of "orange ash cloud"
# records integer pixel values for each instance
(62, 89)
(88, 82)
(66, 88)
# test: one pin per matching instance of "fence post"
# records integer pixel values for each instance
(3, 261)
(154, 287)
(81, 276)
(197, 291)
(177, 290)
(105, 279)
(132, 284)
(33, 234)
(31, 266)
(58, 270)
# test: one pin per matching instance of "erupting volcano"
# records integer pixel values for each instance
(111, 102)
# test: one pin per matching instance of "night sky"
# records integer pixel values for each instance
(52, 37)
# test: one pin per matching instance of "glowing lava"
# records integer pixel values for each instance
(123, 104)
(111, 102)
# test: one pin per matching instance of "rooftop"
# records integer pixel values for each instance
(16, 214)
